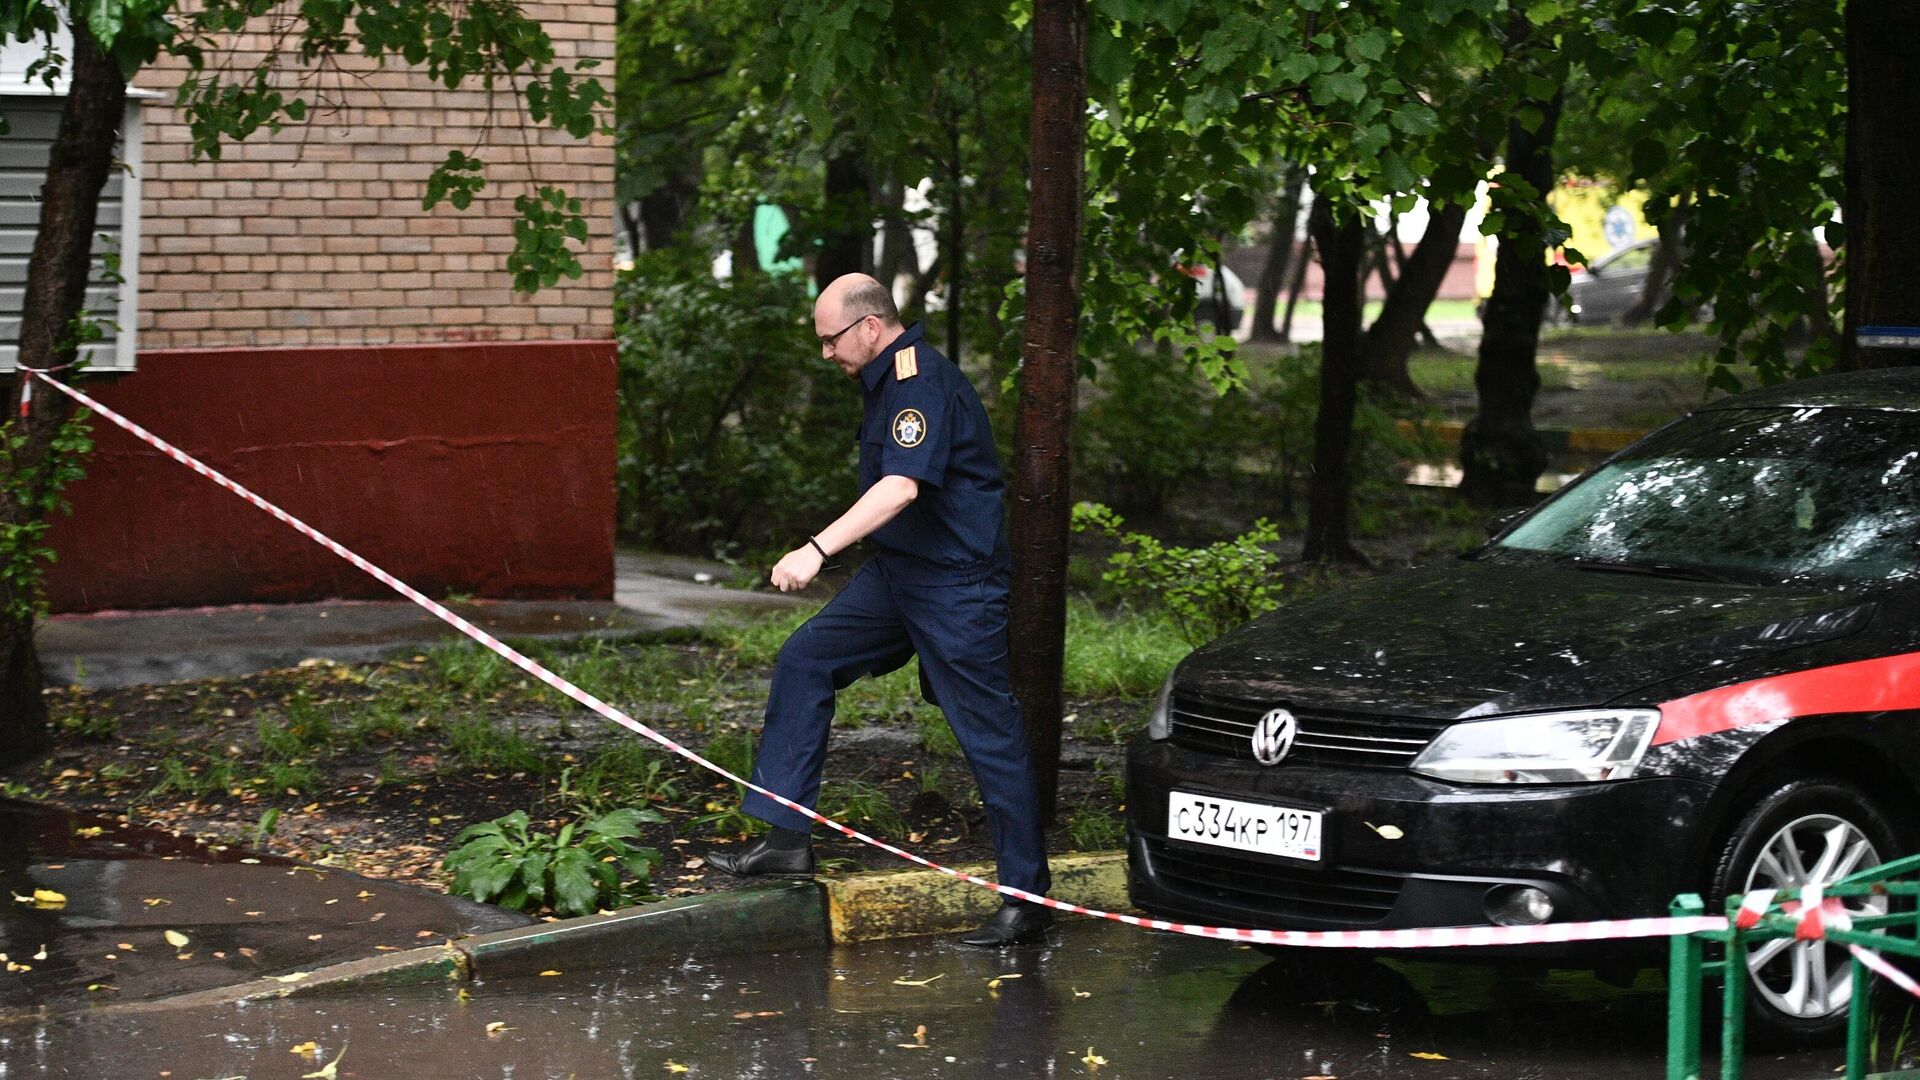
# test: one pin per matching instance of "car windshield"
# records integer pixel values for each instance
(1749, 493)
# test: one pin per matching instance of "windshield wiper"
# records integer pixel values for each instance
(1649, 569)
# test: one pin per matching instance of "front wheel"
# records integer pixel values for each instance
(1800, 833)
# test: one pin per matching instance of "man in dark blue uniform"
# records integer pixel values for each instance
(930, 499)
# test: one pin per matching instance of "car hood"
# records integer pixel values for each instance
(1475, 638)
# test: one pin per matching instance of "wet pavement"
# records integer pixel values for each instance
(234, 915)
(653, 594)
(1100, 1000)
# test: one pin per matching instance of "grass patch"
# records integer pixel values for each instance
(479, 742)
(1125, 654)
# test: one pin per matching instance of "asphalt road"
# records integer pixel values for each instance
(1099, 1000)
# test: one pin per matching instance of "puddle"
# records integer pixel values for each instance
(1144, 1005)
(241, 914)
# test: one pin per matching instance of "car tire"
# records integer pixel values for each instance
(1806, 830)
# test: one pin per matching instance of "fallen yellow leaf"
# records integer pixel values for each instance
(47, 898)
(307, 1048)
(918, 982)
(1092, 1060)
(329, 1071)
(176, 939)
(155, 901)
(42, 954)
(1426, 1056)
(290, 977)
(675, 1067)
(496, 1027)
(549, 971)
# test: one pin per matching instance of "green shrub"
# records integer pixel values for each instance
(577, 872)
(1147, 427)
(1208, 590)
(733, 431)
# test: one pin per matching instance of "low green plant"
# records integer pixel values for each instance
(266, 826)
(466, 667)
(755, 641)
(81, 724)
(732, 750)
(628, 774)
(293, 777)
(936, 735)
(1094, 827)
(479, 742)
(895, 694)
(212, 774)
(381, 720)
(862, 805)
(1207, 590)
(308, 724)
(590, 865)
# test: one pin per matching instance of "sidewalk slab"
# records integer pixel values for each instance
(653, 596)
(892, 903)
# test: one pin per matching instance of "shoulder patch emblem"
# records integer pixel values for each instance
(909, 428)
(906, 363)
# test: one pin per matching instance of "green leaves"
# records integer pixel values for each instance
(577, 872)
(1208, 590)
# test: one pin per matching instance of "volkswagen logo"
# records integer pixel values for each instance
(1273, 736)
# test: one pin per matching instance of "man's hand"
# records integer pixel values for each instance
(796, 569)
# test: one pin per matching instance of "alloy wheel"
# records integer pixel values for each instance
(1809, 979)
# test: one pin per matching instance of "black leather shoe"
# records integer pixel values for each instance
(1016, 922)
(760, 859)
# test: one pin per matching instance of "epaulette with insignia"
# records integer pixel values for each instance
(906, 363)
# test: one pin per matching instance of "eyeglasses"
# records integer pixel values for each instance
(830, 340)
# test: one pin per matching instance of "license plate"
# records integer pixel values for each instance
(1244, 826)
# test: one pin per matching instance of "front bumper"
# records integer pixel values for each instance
(1601, 851)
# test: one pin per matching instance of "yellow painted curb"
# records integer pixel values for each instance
(890, 904)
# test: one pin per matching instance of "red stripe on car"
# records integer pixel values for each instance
(1863, 686)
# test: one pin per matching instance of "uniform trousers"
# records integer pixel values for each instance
(873, 626)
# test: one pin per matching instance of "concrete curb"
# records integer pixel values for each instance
(784, 916)
(789, 915)
(895, 903)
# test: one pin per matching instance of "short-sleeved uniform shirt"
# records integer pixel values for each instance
(923, 419)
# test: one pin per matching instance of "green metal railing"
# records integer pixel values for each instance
(1690, 969)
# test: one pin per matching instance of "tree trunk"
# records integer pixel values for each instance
(896, 240)
(79, 163)
(956, 238)
(1666, 263)
(1501, 455)
(664, 211)
(1391, 338)
(1273, 274)
(1299, 286)
(847, 247)
(1342, 244)
(1882, 169)
(1043, 422)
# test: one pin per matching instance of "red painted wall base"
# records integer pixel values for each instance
(483, 468)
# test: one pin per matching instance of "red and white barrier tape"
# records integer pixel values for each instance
(1821, 912)
(1878, 965)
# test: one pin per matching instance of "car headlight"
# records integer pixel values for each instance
(1547, 748)
(1159, 722)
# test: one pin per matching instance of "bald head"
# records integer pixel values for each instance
(852, 296)
(853, 318)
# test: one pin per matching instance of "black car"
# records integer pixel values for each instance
(1695, 669)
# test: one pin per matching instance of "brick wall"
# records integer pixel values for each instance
(316, 236)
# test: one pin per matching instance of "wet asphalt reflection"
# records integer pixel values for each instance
(1100, 1000)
